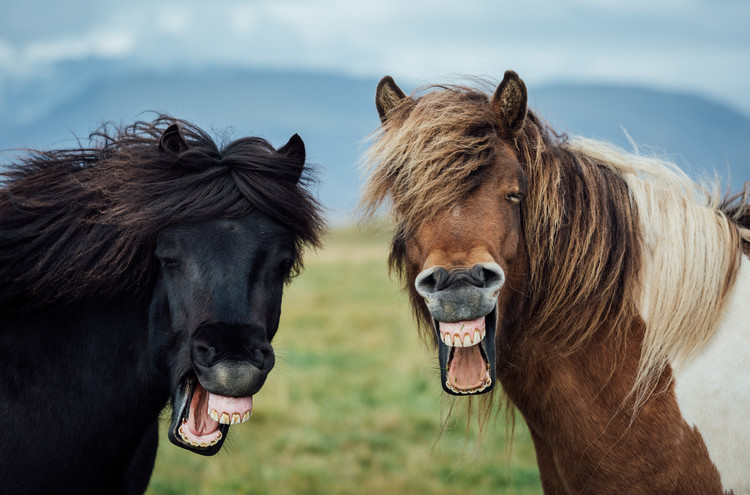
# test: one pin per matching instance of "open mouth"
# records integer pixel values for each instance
(201, 420)
(466, 350)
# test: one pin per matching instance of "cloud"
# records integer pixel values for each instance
(694, 45)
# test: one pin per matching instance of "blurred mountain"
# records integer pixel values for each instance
(335, 114)
(701, 136)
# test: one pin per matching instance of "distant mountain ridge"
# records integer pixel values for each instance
(699, 135)
(335, 114)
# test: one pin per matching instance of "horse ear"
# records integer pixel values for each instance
(387, 96)
(509, 104)
(295, 149)
(172, 140)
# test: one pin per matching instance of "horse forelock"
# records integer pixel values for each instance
(83, 222)
(427, 154)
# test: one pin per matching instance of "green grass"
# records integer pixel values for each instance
(354, 404)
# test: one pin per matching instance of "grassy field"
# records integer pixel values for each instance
(354, 404)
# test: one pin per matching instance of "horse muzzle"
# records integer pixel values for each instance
(230, 364)
(231, 360)
(463, 304)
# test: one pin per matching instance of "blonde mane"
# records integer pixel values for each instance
(691, 254)
(612, 237)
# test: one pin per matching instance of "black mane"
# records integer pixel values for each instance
(79, 223)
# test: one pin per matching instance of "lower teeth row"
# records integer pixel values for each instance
(486, 384)
(199, 444)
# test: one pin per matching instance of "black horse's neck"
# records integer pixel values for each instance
(90, 364)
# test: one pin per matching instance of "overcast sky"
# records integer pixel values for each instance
(699, 46)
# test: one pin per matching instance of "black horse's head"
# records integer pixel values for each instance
(217, 296)
(218, 300)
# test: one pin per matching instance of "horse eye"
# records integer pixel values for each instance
(514, 197)
(169, 263)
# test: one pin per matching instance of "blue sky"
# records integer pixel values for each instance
(695, 46)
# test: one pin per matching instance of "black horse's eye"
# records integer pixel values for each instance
(167, 262)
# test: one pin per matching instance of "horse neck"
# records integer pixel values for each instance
(539, 376)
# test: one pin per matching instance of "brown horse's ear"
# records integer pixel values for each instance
(387, 96)
(171, 140)
(295, 149)
(509, 104)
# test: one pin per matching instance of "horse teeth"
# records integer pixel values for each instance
(467, 340)
(477, 390)
(214, 414)
(224, 419)
(236, 418)
(246, 416)
(477, 338)
(203, 445)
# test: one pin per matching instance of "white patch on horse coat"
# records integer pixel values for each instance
(688, 249)
(713, 389)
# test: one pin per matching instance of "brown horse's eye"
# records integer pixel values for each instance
(514, 198)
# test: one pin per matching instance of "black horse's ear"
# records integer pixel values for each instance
(509, 104)
(295, 149)
(387, 96)
(172, 140)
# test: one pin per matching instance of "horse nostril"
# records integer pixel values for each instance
(431, 280)
(493, 276)
(257, 358)
(203, 354)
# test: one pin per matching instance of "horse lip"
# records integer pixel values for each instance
(232, 378)
(486, 348)
(183, 395)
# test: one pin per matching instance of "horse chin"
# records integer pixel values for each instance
(466, 351)
(198, 423)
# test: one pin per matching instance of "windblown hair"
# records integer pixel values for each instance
(419, 166)
(611, 236)
(81, 223)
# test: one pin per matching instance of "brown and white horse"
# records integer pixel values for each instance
(605, 291)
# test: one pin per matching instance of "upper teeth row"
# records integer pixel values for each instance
(227, 419)
(465, 340)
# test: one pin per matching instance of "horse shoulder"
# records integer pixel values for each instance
(713, 389)
(587, 442)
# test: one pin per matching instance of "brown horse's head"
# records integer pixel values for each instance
(447, 162)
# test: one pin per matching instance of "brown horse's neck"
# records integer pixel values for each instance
(583, 425)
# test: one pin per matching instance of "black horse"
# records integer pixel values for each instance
(147, 266)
